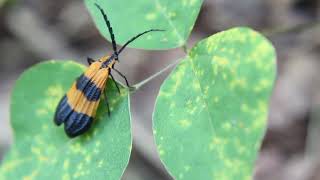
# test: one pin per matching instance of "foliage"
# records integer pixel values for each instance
(211, 112)
(43, 151)
(129, 18)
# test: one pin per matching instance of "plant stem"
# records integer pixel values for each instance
(137, 86)
(185, 49)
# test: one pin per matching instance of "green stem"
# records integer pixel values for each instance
(137, 86)
(185, 49)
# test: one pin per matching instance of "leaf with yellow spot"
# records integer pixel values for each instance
(129, 18)
(221, 94)
(41, 150)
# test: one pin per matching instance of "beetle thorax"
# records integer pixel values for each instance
(107, 61)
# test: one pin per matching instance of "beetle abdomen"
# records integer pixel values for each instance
(77, 124)
(78, 107)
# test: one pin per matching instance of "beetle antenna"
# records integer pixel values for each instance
(135, 37)
(114, 45)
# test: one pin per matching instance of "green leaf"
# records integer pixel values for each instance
(211, 112)
(129, 18)
(41, 150)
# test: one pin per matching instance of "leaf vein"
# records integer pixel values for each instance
(202, 96)
(165, 15)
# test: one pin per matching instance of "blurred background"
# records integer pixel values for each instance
(32, 31)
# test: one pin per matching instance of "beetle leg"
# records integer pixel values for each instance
(115, 83)
(106, 101)
(90, 60)
(123, 76)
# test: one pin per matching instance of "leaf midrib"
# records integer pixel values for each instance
(171, 24)
(203, 98)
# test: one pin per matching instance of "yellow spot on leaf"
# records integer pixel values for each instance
(41, 112)
(245, 108)
(31, 176)
(187, 168)
(45, 127)
(260, 120)
(149, 37)
(165, 94)
(206, 90)
(217, 142)
(71, 65)
(89, 136)
(189, 103)
(76, 175)
(66, 177)
(231, 51)
(181, 176)
(39, 140)
(262, 106)
(172, 14)
(75, 148)
(224, 76)
(198, 99)
(241, 149)
(193, 110)
(185, 123)
(88, 159)
(192, 2)
(13, 164)
(164, 39)
(100, 163)
(98, 143)
(55, 91)
(39, 154)
(151, 16)
(239, 82)
(96, 151)
(80, 167)
(226, 126)
(161, 152)
(196, 86)
(262, 85)
(172, 105)
(66, 164)
(221, 61)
